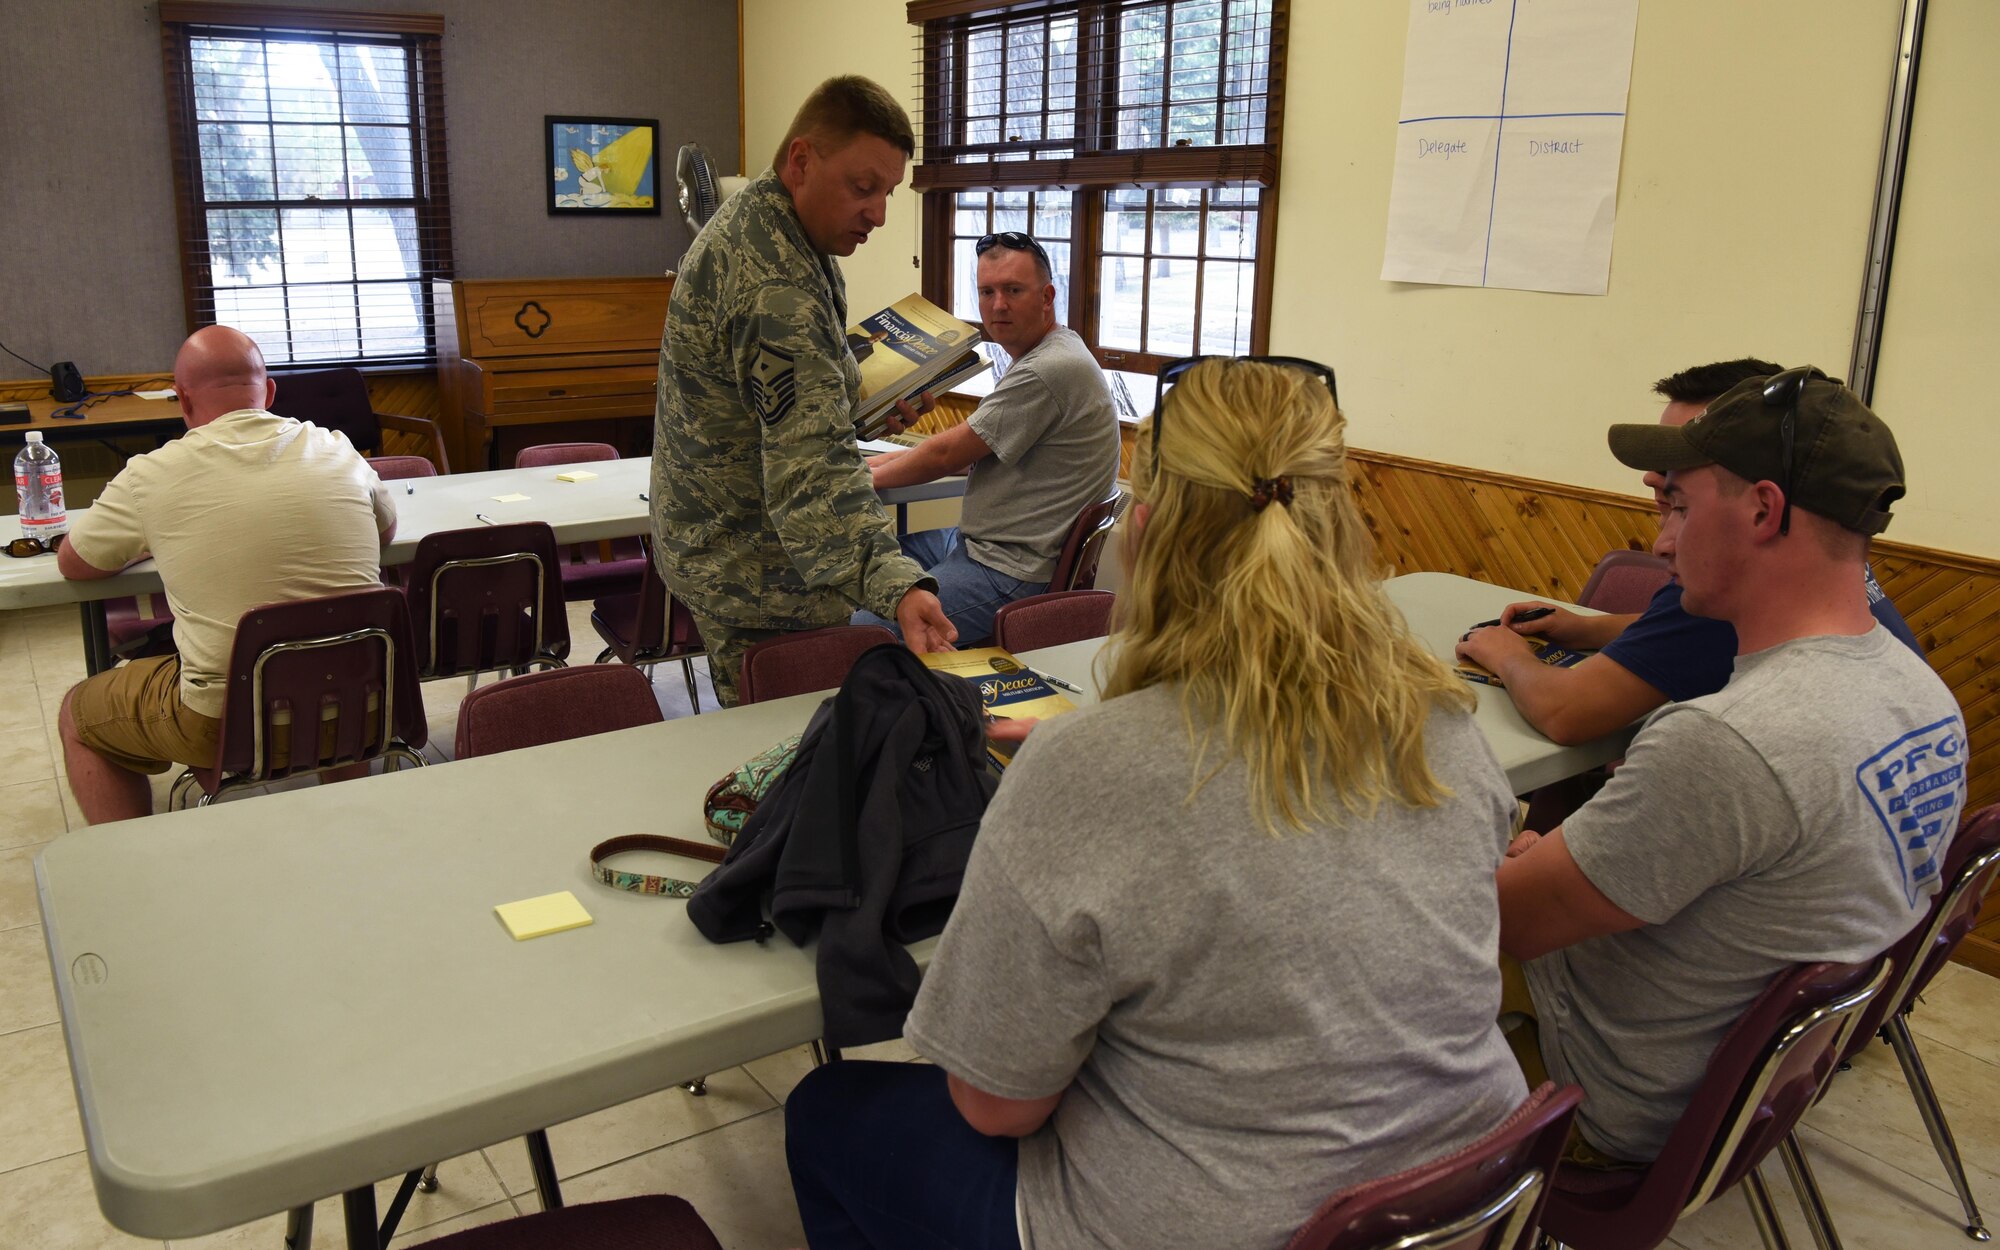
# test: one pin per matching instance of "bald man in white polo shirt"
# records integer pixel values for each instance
(247, 508)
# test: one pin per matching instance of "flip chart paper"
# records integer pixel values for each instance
(1508, 143)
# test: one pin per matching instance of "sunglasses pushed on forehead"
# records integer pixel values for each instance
(1013, 241)
(1171, 372)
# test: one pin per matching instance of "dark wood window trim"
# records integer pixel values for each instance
(948, 164)
(420, 35)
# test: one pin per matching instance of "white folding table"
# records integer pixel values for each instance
(611, 505)
(279, 998)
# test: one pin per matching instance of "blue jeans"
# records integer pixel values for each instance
(970, 591)
(881, 1160)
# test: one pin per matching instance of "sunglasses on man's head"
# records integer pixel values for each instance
(1013, 241)
(22, 548)
(1171, 372)
(1783, 390)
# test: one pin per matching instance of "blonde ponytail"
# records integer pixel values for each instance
(1267, 612)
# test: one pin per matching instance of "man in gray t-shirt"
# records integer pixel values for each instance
(1799, 814)
(1039, 449)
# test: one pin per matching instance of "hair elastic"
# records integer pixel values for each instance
(1265, 489)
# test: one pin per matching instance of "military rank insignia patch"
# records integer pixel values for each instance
(774, 384)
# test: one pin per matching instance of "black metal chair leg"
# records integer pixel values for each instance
(543, 1164)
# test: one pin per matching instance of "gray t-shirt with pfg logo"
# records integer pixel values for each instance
(1800, 813)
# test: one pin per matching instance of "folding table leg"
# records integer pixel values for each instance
(822, 1053)
(543, 1164)
(358, 1206)
(96, 638)
(299, 1228)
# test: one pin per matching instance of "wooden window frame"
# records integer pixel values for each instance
(420, 35)
(1096, 165)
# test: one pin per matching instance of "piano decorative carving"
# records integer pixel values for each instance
(516, 352)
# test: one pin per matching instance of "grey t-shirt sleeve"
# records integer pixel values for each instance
(1692, 807)
(1006, 1005)
(1016, 415)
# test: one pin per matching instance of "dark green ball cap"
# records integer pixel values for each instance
(1846, 466)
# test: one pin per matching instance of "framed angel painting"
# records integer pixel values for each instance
(603, 165)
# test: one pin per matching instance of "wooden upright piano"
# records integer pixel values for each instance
(518, 352)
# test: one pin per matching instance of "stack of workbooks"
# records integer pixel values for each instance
(1008, 689)
(908, 348)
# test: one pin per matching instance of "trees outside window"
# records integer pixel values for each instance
(310, 179)
(1136, 139)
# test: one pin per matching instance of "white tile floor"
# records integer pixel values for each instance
(725, 1152)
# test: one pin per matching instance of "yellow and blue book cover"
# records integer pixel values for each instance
(1008, 689)
(1553, 656)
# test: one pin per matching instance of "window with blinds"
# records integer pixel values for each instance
(1137, 139)
(310, 178)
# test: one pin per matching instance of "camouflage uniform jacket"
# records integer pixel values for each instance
(764, 514)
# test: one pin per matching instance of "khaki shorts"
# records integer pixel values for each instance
(133, 716)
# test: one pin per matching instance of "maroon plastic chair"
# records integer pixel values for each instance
(1624, 581)
(400, 468)
(338, 399)
(649, 627)
(590, 570)
(1053, 619)
(1767, 1072)
(554, 706)
(1971, 864)
(135, 633)
(1486, 1196)
(339, 671)
(815, 659)
(486, 599)
(1076, 563)
(652, 1222)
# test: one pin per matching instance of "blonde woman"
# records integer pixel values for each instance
(1227, 941)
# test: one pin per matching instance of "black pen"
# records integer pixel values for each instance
(1059, 683)
(1532, 614)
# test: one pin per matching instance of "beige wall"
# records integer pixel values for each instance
(1934, 379)
(791, 46)
(1747, 181)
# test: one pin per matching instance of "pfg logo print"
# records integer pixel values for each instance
(1916, 785)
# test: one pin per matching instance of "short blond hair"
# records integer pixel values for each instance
(843, 107)
(1271, 621)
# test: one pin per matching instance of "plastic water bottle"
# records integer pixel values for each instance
(38, 484)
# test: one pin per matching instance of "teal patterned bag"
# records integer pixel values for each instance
(731, 800)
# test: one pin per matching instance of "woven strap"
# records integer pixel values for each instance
(646, 883)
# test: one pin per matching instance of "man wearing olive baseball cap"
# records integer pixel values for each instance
(1800, 813)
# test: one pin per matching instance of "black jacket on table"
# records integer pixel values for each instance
(863, 841)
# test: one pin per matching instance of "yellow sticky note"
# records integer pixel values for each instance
(510, 499)
(538, 917)
(576, 475)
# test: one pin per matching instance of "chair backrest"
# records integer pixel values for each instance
(1624, 581)
(563, 453)
(1076, 563)
(1053, 619)
(552, 706)
(333, 399)
(1767, 1071)
(665, 628)
(1971, 863)
(1486, 1196)
(393, 468)
(338, 667)
(487, 598)
(817, 659)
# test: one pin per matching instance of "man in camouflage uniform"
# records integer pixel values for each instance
(765, 520)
